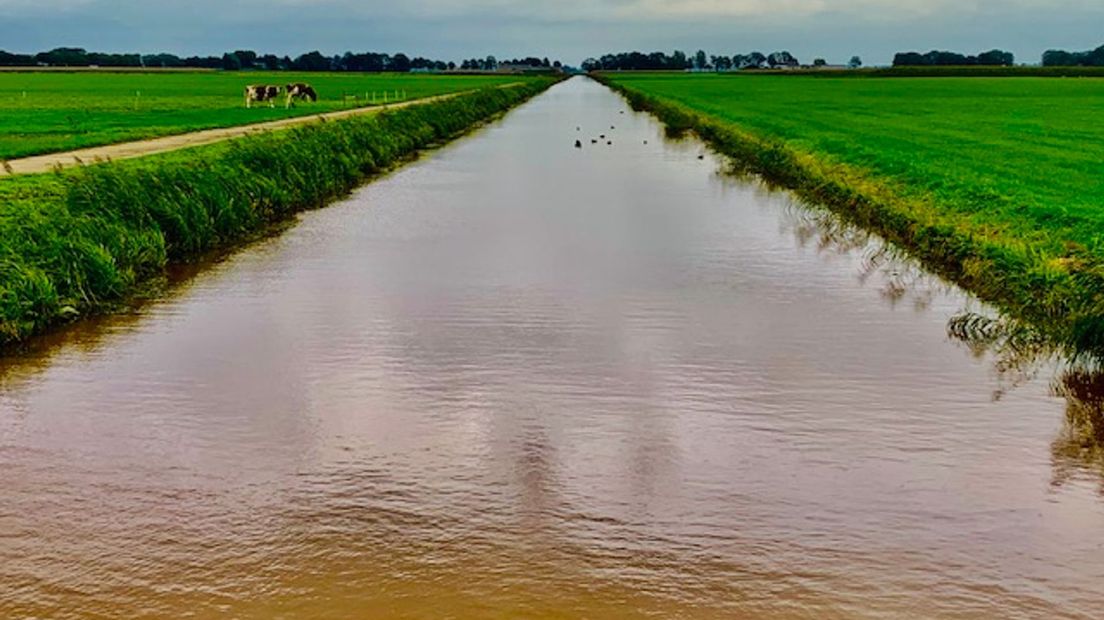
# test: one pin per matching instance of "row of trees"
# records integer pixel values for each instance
(490, 63)
(69, 57)
(679, 61)
(935, 58)
(1061, 58)
(317, 61)
(248, 59)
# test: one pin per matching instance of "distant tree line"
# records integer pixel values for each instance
(248, 59)
(490, 63)
(1061, 58)
(935, 58)
(679, 61)
(69, 57)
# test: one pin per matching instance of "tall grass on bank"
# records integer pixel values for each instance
(1055, 285)
(78, 241)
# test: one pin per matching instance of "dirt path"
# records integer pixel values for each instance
(139, 148)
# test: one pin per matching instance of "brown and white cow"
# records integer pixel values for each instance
(261, 93)
(299, 90)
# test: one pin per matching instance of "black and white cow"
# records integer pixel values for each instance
(299, 90)
(261, 93)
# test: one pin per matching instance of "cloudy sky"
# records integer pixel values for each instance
(567, 29)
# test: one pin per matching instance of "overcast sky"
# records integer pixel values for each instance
(567, 29)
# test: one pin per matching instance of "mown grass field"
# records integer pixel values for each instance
(1007, 174)
(43, 112)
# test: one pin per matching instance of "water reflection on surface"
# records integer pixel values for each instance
(1018, 353)
(882, 266)
(516, 379)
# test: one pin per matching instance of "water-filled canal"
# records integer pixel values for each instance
(520, 379)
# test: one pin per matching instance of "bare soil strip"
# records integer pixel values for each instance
(139, 148)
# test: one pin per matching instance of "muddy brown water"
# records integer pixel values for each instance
(518, 379)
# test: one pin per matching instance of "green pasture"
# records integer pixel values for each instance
(1021, 159)
(42, 112)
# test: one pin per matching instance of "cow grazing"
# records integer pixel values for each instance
(261, 93)
(300, 91)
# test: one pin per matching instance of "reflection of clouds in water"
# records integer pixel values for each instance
(1019, 352)
(897, 276)
(1020, 355)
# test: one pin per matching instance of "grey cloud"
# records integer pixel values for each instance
(567, 29)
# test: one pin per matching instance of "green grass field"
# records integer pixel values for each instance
(42, 112)
(1001, 180)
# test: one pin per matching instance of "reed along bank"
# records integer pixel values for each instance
(80, 241)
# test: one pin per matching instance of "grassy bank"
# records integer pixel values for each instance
(79, 241)
(42, 112)
(994, 184)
